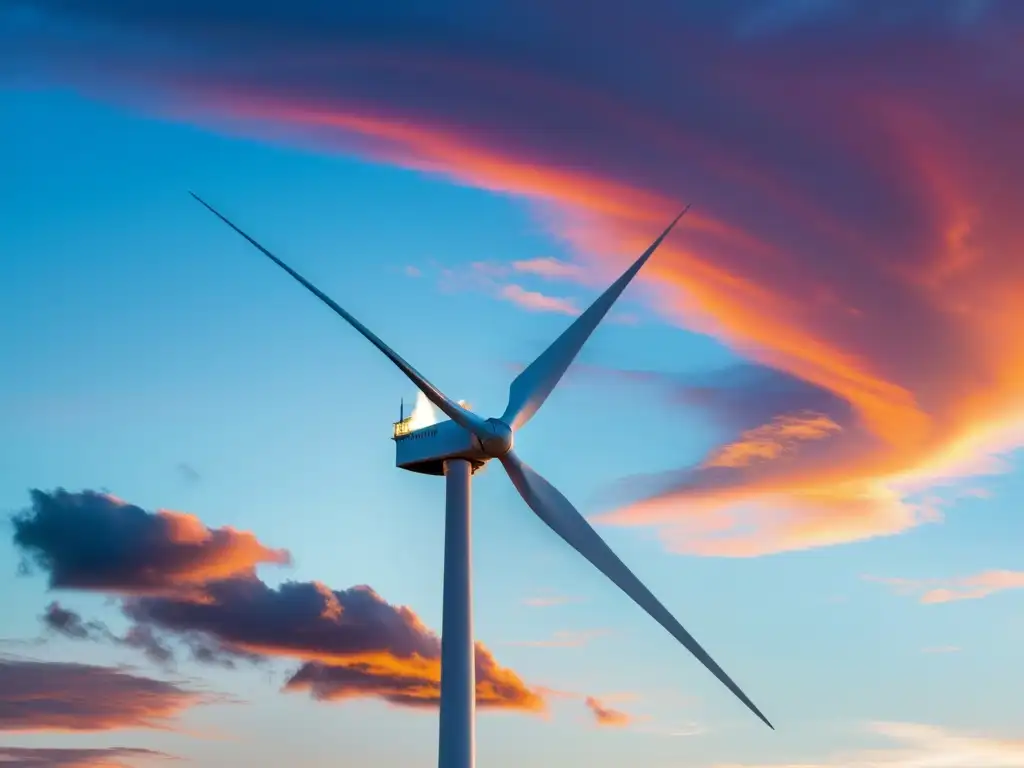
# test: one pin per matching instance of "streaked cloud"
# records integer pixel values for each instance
(110, 757)
(551, 268)
(143, 637)
(856, 225)
(550, 600)
(973, 587)
(535, 301)
(783, 434)
(563, 638)
(942, 649)
(65, 696)
(918, 746)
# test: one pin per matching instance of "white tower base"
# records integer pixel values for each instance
(457, 737)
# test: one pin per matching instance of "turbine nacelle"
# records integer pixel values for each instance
(426, 449)
(500, 440)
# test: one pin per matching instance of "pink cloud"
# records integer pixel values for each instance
(917, 746)
(974, 587)
(538, 302)
(552, 268)
(857, 175)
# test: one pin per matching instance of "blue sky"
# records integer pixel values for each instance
(154, 355)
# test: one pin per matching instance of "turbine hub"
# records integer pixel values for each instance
(499, 441)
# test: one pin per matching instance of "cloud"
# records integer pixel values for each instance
(352, 643)
(563, 638)
(856, 224)
(64, 696)
(917, 746)
(111, 757)
(551, 268)
(605, 715)
(94, 541)
(973, 587)
(942, 649)
(70, 624)
(550, 600)
(535, 301)
(782, 435)
(491, 278)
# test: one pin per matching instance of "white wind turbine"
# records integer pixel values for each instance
(459, 447)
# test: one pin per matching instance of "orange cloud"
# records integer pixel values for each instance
(411, 682)
(95, 541)
(605, 715)
(916, 746)
(974, 587)
(856, 224)
(352, 642)
(769, 441)
(883, 343)
(69, 697)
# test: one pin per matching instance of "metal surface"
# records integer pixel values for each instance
(457, 729)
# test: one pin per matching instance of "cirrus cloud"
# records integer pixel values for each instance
(857, 225)
(110, 757)
(917, 746)
(973, 587)
(70, 697)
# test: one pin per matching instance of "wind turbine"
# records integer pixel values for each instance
(456, 449)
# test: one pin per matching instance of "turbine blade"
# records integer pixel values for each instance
(561, 516)
(531, 388)
(458, 414)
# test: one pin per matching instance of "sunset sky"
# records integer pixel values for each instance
(799, 426)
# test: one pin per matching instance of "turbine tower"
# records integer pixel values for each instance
(462, 445)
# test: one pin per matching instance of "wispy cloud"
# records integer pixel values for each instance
(564, 638)
(918, 746)
(65, 696)
(552, 268)
(973, 587)
(535, 301)
(110, 757)
(783, 434)
(857, 222)
(548, 601)
(942, 649)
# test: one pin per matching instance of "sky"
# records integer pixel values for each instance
(800, 426)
